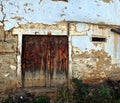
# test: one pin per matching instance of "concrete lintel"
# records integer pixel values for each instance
(19, 31)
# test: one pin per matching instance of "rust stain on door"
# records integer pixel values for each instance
(44, 60)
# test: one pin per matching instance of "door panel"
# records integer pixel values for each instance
(44, 60)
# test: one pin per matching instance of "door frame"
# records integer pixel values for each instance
(20, 32)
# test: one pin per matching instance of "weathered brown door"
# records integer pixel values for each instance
(44, 60)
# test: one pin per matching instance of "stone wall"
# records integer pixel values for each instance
(8, 60)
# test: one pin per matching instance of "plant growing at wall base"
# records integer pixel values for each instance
(8, 100)
(81, 90)
(64, 95)
(42, 99)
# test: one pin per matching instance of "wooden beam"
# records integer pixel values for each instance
(116, 30)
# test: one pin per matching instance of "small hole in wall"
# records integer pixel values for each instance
(98, 39)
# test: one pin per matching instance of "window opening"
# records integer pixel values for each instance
(98, 39)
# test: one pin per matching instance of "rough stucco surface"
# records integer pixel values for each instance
(93, 66)
(94, 61)
(8, 64)
(40, 26)
(107, 1)
(91, 62)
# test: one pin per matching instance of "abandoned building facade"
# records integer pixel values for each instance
(50, 55)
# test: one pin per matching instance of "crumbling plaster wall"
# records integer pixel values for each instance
(15, 12)
(94, 61)
(90, 61)
(8, 64)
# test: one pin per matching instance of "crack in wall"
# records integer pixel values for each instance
(3, 13)
(3, 19)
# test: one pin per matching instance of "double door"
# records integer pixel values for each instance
(44, 60)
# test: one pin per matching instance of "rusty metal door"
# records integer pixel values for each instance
(44, 61)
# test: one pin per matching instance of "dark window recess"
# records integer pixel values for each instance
(98, 39)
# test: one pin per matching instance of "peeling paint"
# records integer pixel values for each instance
(93, 65)
(101, 23)
(107, 1)
(98, 15)
(65, 7)
(26, 4)
(17, 18)
(41, 26)
(90, 61)
(34, 12)
(62, 15)
(13, 67)
(93, 61)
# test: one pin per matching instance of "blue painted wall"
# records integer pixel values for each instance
(49, 12)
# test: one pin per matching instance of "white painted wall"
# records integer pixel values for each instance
(49, 12)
